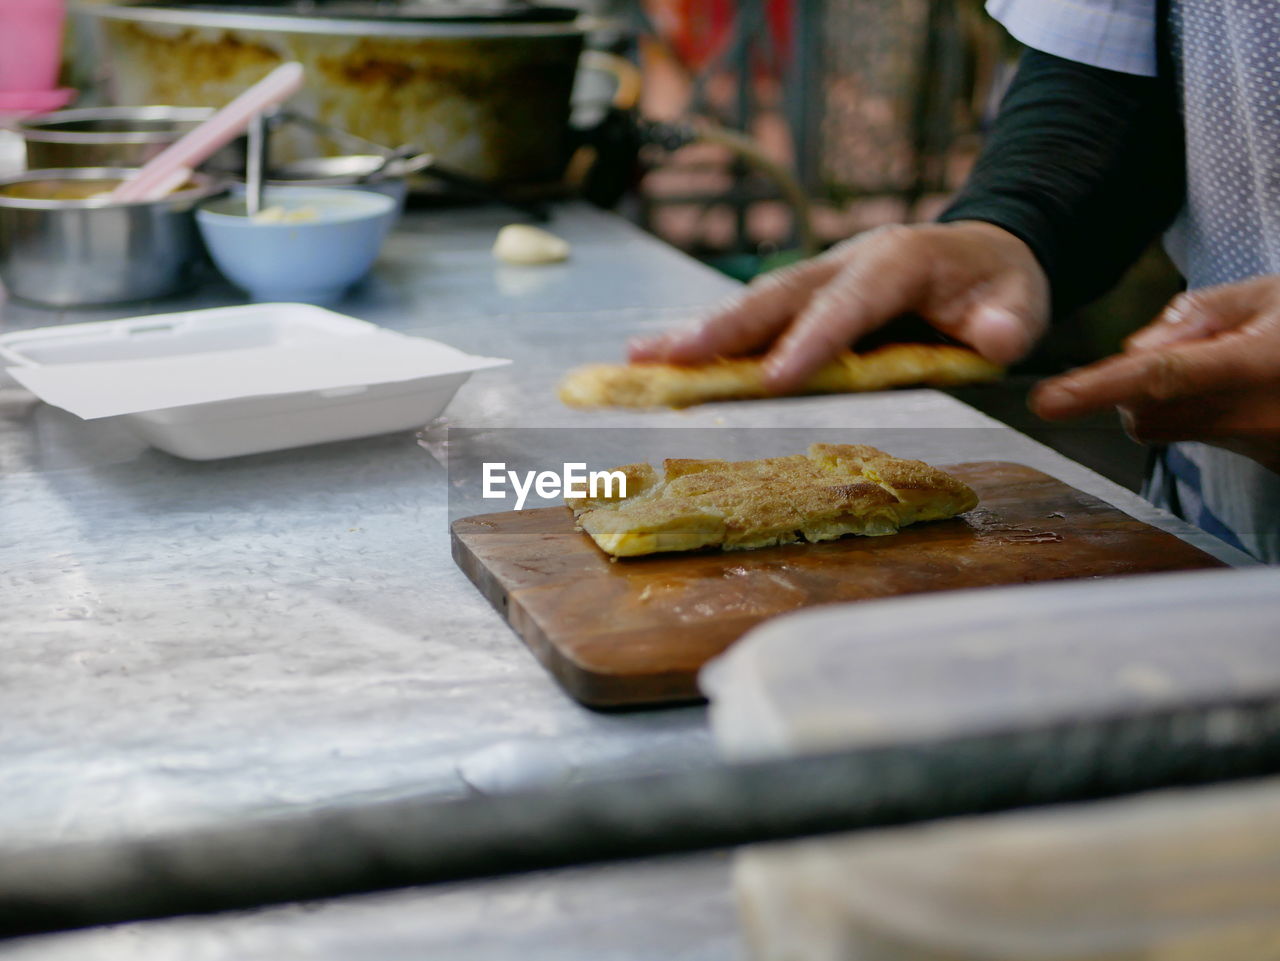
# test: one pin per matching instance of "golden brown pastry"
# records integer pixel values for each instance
(835, 489)
(669, 385)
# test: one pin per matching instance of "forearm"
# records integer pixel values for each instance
(1085, 165)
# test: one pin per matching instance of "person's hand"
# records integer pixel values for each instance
(972, 280)
(1207, 369)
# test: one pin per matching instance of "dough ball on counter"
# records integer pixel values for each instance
(525, 245)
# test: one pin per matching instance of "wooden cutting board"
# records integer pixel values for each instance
(635, 632)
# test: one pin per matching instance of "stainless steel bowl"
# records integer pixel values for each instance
(114, 137)
(357, 171)
(343, 171)
(78, 252)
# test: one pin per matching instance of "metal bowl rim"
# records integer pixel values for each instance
(341, 26)
(39, 129)
(332, 179)
(206, 187)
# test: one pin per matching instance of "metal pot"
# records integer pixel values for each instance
(488, 95)
(114, 136)
(78, 252)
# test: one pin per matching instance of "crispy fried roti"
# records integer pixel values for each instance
(669, 385)
(834, 490)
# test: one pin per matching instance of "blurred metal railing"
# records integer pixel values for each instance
(882, 98)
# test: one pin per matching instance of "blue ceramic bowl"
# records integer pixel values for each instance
(313, 260)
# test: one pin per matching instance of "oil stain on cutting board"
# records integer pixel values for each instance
(635, 632)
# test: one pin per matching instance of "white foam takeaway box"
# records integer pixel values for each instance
(229, 381)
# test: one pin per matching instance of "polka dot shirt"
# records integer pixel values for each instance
(1227, 57)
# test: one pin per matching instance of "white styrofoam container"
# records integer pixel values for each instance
(245, 425)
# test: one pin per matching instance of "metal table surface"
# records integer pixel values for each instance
(183, 643)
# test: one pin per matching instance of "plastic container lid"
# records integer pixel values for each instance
(1183, 875)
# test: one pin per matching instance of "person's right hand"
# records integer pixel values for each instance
(971, 280)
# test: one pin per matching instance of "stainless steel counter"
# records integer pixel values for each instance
(182, 643)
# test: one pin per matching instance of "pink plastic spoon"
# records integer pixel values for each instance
(170, 169)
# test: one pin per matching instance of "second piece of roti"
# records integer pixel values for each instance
(835, 489)
(742, 378)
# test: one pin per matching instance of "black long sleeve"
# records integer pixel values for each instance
(1083, 164)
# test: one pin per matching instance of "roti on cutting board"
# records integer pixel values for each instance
(833, 490)
(635, 631)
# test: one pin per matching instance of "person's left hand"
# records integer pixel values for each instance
(1207, 369)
